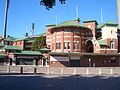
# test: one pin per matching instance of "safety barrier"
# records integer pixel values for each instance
(60, 70)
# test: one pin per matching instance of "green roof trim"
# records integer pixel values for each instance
(8, 47)
(37, 35)
(2, 55)
(44, 49)
(30, 41)
(21, 39)
(102, 42)
(43, 34)
(51, 25)
(109, 23)
(100, 25)
(10, 39)
(2, 45)
(28, 53)
(70, 23)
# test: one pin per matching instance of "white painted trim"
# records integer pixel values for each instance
(58, 41)
(67, 36)
(48, 40)
(76, 36)
(76, 41)
(67, 41)
(58, 36)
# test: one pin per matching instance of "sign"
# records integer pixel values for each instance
(59, 58)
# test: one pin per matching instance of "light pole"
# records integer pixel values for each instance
(5, 18)
(118, 21)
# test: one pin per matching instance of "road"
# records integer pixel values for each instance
(57, 82)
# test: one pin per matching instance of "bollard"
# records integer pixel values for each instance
(21, 70)
(99, 71)
(87, 71)
(111, 71)
(8, 69)
(74, 71)
(62, 71)
(48, 70)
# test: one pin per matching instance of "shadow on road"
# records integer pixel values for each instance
(55, 82)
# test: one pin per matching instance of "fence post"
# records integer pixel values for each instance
(21, 70)
(35, 71)
(62, 71)
(74, 71)
(48, 70)
(111, 72)
(8, 69)
(99, 71)
(87, 71)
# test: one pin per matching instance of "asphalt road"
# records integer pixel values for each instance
(56, 82)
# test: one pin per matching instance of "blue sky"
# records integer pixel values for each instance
(23, 12)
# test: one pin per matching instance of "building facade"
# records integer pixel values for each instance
(82, 44)
(69, 36)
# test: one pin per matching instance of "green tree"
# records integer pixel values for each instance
(40, 42)
(50, 3)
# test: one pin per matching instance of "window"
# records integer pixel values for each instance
(65, 45)
(58, 45)
(111, 31)
(20, 42)
(76, 31)
(111, 44)
(67, 30)
(8, 43)
(49, 46)
(78, 45)
(68, 45)
(74, 46)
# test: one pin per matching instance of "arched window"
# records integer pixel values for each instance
(89, 47)
(111, 44)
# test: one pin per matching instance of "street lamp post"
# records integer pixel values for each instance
(5, 17)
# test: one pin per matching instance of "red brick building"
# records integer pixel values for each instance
(71, 42)
(69, 36)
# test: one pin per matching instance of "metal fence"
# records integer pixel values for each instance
(60, 70)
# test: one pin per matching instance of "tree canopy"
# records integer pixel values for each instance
(50, 3)
(40, 42)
